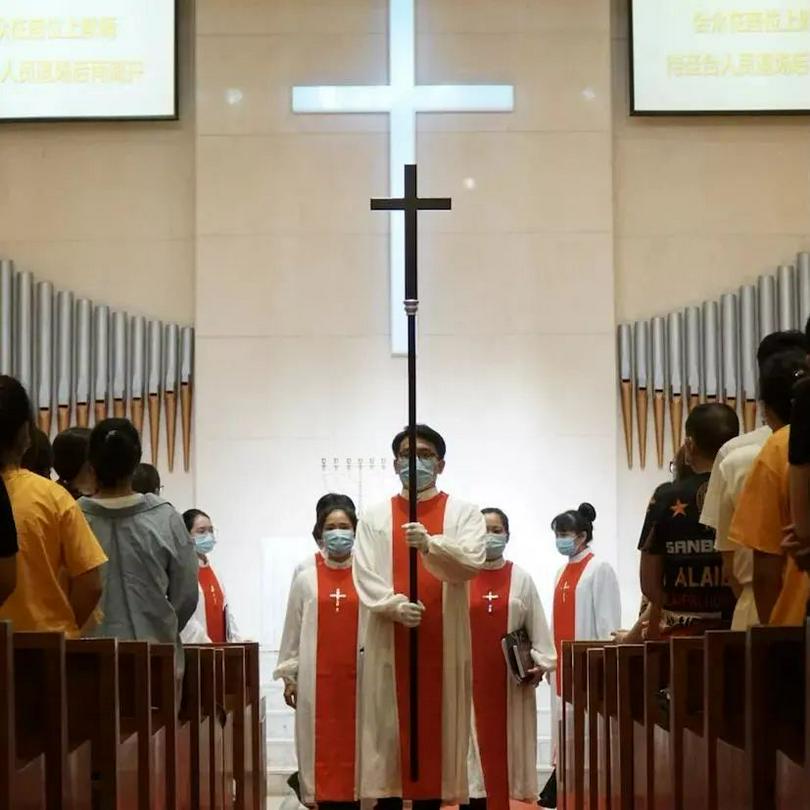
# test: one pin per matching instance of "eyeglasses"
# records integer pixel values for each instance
(425, 455)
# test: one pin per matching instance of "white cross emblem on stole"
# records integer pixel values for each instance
(565, 588)
(402, 98)
(337, 596)
(490, 597)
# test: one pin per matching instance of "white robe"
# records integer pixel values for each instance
(525, 610)
(598, 604)
(196, 631)
(455, 557)
(298, 664)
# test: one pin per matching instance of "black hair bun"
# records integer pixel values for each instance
(587, 511)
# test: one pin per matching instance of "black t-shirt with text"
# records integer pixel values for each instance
(694, 585)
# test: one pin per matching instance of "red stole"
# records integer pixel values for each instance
(489, 622)
(335, 684)
(214, 604)
(431, 654)
(565, 609)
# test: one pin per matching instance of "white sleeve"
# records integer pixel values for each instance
(725, 513)
(288, 654)
(233, 636)
(374, 589)
(459, 559)
(607, 601)
(710, 515)
(196, 629)
(543, 651)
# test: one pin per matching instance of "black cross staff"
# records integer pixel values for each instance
(411, 204)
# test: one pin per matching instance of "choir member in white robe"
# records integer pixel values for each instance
(213, 620)
(332, 500)
(503, 751)
(319, 662)
(587, 602)
(450, 539)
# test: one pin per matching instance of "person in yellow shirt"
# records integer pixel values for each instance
(763, 510)
(58, 576)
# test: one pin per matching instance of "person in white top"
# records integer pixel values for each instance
(729, 473)
(212, 622)
(503, 751)
(449, 537)
(319, 661)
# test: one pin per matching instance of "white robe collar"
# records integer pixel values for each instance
(427, 495)
(581, 556)
(494, 565)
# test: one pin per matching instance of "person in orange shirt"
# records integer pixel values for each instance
(58, 568)
(763, 510)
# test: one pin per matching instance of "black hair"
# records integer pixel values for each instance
(424, 432)
(778, 376)
(70, 449)
(334, 499)
(115, 450)
(339, 503)
(190, 515)
(15, 411)
(711, 425)
(778, 342)
(579, 521)
(682, 469)
(493, 510)
(146, 479)
(38, 458)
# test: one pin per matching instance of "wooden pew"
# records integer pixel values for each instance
(41, 729)
(164, 748)
(255, 736)
(195, 716)
(660, 788)
(235, 702)
(135, 709)
(775, 720)
(564, 670)
(631, 713)
(725, 715)
(574, 720)
(93, 713)
(7, 766)
(687, 722)
(599, 732)
(621, 730)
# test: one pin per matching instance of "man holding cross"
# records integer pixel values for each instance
(449, 535)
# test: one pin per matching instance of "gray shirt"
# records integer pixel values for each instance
(150, 581)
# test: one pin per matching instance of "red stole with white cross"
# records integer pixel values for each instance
(335, 684)
(431, 653)
(489, 622)
(565, 608)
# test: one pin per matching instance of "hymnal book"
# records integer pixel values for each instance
(517, 650)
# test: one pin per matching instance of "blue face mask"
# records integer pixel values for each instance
(205, 543)
(567, 545)
(496, 543)
(338, 543)
(425, 473)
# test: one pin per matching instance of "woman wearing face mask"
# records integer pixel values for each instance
(319, 664)
(587, 605)
(212, 622)
(502, 760)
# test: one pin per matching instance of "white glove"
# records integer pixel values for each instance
(410, 614)
(416, 536)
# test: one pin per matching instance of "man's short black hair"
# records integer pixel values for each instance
(778, 376)
(422, 432)
(778, 342)
(710, 426)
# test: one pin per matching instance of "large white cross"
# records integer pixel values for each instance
(402, 98)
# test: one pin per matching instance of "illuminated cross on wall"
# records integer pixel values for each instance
(402, 99)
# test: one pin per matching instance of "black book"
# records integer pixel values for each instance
(517, 650)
